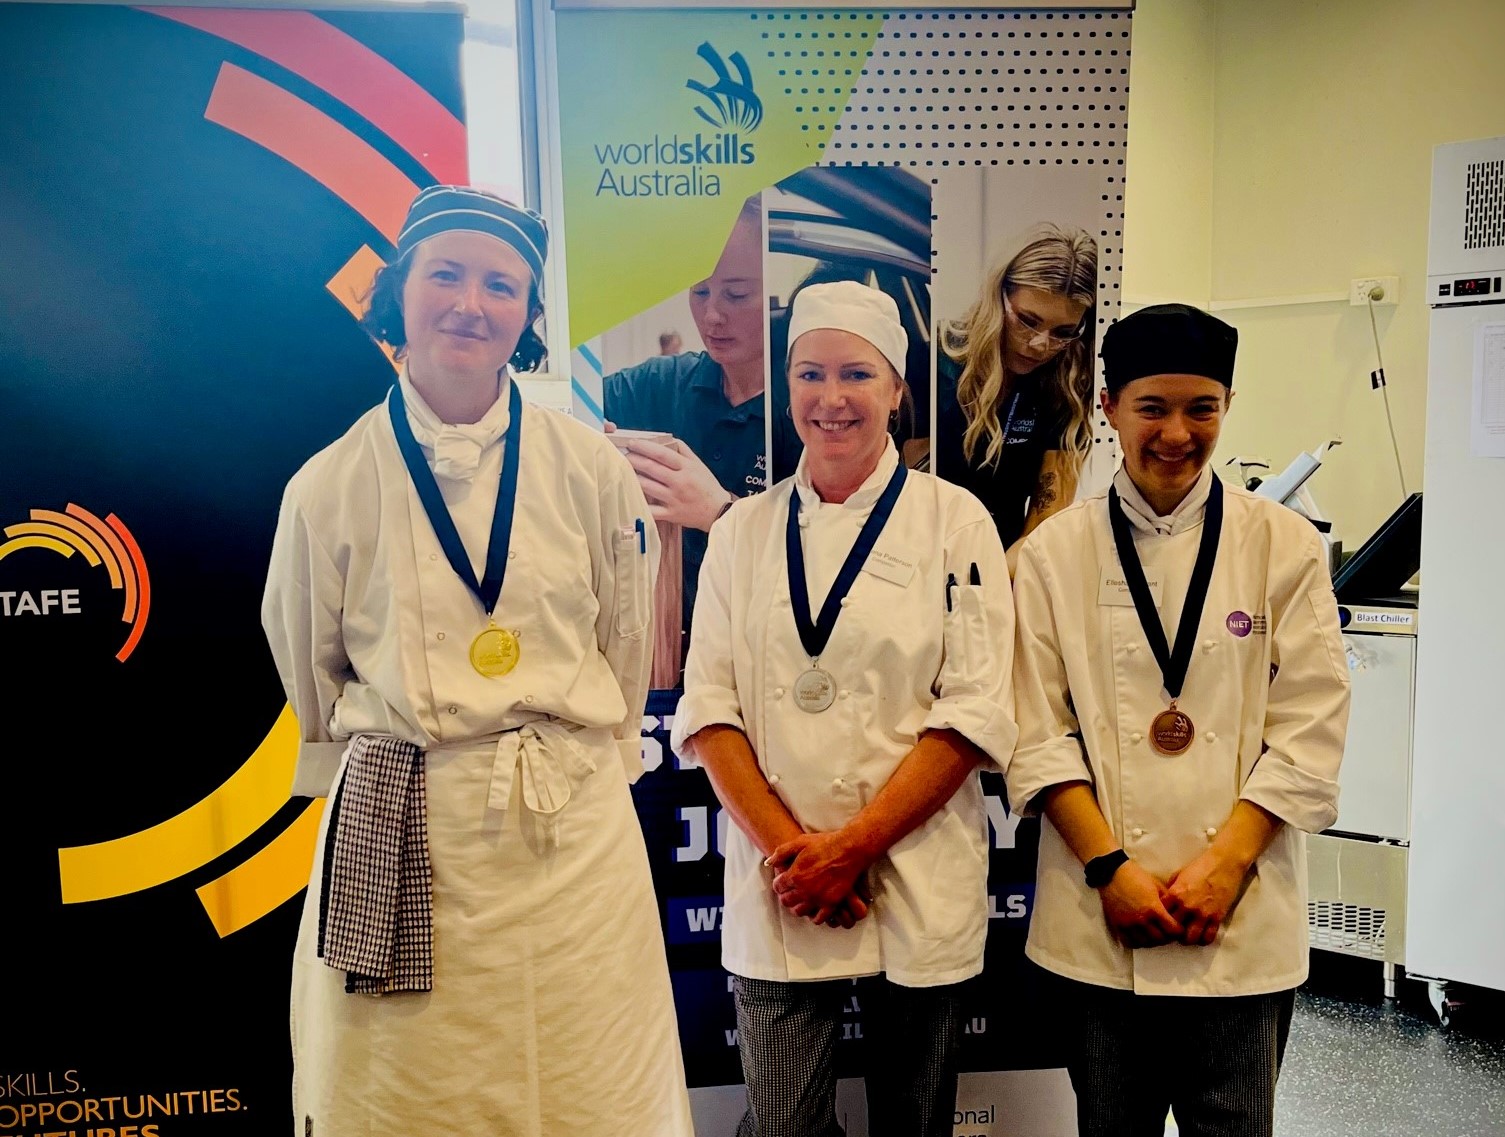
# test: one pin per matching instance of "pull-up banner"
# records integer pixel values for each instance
(715, 160)
(192, 201)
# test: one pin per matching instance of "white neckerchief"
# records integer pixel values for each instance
(863, 498)
(454, 450)
(1142, 515)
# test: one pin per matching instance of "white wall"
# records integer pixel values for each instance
(1323, 120)
(1168, 195)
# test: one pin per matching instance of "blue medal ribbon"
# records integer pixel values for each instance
(488, 588)
(1173, 662)
(814, 635)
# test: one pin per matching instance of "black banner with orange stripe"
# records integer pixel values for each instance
(192, 201)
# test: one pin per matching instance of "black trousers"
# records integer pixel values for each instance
(1211, 1061)
(787, 1032)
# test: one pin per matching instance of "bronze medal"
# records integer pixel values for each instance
(1172, 732)
(494, 652)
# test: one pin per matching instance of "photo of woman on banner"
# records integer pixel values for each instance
(848, 678)
(868, 224)
(458, 606)
(1015, 386)
(696, 419)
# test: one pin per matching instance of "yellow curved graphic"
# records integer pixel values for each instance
(350, 285)
(35, 542)
(57, 533)
(202, 832)
(260, 884)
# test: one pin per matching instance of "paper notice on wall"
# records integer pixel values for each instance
(1488, 427)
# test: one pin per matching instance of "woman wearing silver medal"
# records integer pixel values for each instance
(849, 673)
(458, 605)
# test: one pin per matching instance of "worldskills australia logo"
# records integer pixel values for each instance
(680, 164)
(734, 105)
(104, 544)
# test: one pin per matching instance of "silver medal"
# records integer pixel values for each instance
(814, 691)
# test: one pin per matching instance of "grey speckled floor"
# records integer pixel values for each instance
(1358, 1066)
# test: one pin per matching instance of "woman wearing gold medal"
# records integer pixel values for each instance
(848, 675)
(458, 605)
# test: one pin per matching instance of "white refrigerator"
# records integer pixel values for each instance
(1455, 927)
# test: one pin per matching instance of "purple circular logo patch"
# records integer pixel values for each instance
(1240, 624)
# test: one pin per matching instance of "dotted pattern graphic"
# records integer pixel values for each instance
(949, 89)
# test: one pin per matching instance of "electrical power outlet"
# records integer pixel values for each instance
(1360, 289)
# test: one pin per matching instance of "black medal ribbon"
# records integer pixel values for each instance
(815, 634)
(489, 588)
(1174, 662)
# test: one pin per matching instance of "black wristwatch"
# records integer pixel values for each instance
(1100, 870)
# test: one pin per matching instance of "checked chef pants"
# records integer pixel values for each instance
(787, 1032)
(1211, 1061)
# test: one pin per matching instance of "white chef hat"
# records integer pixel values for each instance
(849, 306)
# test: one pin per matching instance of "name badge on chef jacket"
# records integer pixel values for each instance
(893, 564)
(1113, 589)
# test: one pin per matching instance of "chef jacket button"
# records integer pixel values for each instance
(527, 698)
(845, 600)
(512, 554)
(778, 692)
(433, 556)
(1209, 644)
(1210, 736)
(773, 779)
(1132, 648)
(1136, 737)
(454, 710)
(837, 783)
(517, 633)
(846, 694)
(1211, 831)
(1136, 833)
(439, 636)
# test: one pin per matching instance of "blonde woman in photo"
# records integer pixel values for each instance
(1014, 398)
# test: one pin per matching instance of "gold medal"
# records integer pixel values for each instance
(1172, 732)
(494, 652)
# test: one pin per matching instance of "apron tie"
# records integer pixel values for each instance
(548, 760)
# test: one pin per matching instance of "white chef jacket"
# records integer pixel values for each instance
(903, 665)
(371, 628)
(1267, 690)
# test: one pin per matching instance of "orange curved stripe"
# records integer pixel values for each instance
(313, 142)
(57, 533)
(330, 59)
(262, 883)
(138, 625)
(106, 554)
(35, 542)
(110, 539)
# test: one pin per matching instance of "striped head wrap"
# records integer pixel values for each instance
(440, 209)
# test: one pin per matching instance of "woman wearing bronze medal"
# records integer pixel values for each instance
(847, 677)
(458, 605)
(1182, 698)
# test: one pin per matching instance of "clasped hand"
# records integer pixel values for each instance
(820, 876)
(1190, 908)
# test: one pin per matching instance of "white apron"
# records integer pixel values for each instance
(546, 946)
